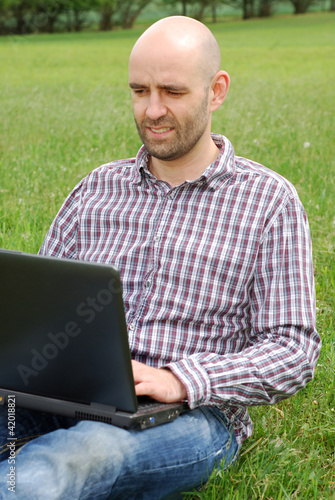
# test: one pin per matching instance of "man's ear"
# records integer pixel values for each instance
(219, 89)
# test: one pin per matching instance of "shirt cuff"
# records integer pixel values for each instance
(195, 379)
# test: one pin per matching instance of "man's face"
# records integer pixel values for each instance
(171, 106)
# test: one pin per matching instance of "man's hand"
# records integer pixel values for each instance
(158, 383)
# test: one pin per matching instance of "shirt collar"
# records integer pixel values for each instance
(215, 174)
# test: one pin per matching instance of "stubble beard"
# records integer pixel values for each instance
(186, 136)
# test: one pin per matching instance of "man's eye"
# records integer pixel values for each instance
(174, 93)
(139, 91)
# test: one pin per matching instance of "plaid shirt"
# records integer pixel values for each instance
(217, 275)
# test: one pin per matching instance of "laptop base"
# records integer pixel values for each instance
(144, 418)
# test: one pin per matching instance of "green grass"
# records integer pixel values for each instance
(65, 109)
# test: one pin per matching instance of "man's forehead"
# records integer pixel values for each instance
(169, 80)
(165, 73)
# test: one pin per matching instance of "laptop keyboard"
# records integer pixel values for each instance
(149, 404)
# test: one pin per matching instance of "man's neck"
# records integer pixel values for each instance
(188, 168)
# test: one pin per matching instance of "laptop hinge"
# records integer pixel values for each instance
(101, 407)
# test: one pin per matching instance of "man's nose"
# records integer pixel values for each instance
(156, 108)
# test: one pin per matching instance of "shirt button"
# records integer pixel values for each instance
(156, 238)
(131, 326)
(147, 284)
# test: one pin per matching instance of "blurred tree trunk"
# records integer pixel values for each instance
(106, 23)
(248, 9)
(129, 10)
(214, 17)
(301, 6)
(265, 8)
(184, 3)
(19, 11)
(106, 9)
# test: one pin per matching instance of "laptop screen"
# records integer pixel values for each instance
(63, 331)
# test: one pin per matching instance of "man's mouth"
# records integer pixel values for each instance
(160, 130)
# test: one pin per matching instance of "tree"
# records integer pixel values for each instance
(247, 7)
(301, 6)
(265, 8)
(107, 10)
(195, 8)
(18, 9)
(79, 10)
(3, 16)
(199, 7)
(47, 13)
(176, 3)
(129, 10)
(213, 9)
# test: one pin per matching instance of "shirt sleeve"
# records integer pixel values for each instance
(283, 343)
(61, 239)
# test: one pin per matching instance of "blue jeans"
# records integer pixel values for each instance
(93, 460)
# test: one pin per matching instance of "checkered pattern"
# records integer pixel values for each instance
(217, 275)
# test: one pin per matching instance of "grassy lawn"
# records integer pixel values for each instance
(65, 109)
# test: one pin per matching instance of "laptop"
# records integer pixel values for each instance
(64, 343)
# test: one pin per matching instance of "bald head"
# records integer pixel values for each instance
(183, 38)
(176, 84)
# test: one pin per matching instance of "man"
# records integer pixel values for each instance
(215, 258)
